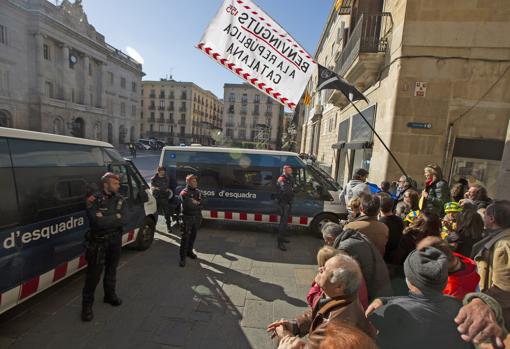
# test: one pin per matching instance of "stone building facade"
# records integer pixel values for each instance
(251, 119)
(180, 113)
(58, 75)
(437, 76)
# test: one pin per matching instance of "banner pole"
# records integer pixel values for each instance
(380, 140)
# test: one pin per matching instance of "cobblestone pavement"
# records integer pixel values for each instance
(239, 284)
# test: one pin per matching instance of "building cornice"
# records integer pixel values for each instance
(105, 48)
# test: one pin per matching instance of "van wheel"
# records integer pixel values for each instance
(319, 221)
(145, 235)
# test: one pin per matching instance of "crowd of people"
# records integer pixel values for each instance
(409, 268)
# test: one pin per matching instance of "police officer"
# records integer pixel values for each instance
(163, 190)
(192, 217)
(285, 197)
(106, 211)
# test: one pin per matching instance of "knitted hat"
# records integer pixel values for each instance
(427, 269)
(453, 206)
(411, 216)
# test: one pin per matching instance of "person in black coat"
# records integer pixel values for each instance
(425, 318)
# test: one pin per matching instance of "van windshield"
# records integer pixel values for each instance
(324, 176)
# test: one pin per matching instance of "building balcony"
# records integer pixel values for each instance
(162, 96)
(268, 113)
(170, 108)
(161, 107)
(170, 121)
(161, 120)
(229, 124)
(182, 110)
(242, 125)
(363, 56)
(152, 107)
(182, 122)
(152, 95)
(151, 119)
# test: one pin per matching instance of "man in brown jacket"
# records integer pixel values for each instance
(339, 279)
(492, 255)
(368, 224)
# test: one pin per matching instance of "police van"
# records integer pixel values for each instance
(240, 184)
(44, 181)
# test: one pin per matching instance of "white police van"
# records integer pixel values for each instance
(44, 181)
(240, 184)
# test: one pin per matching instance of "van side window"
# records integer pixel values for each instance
(253, 178)
(71, 189)
(27, 153)
(8, 203)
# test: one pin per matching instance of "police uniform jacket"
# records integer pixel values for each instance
(113, 210)
(285, 189)
(189, 208)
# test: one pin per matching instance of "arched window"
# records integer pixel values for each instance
(122, 134)
(132, 134)
(78, 129)
(5, 119)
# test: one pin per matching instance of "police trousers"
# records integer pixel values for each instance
(284, 220)
(102, 254)
(189, 234)
(165, 208)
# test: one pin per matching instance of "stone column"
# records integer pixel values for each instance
(503, 183)
(39, 61)
(65, 67)
(86, 81)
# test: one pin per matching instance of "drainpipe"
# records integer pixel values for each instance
(447, 149)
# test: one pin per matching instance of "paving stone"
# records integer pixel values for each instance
(257, 314)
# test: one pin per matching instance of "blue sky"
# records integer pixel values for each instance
(165, 33)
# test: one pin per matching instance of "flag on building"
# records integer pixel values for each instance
(307, 100)
(332, 81)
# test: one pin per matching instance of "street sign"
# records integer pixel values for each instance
(424, 125)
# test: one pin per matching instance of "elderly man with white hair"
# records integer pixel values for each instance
(339, 279)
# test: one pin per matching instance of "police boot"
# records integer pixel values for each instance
(281, 246)
(182, 262)
(192, 255)
(113, 300)
(86, 312)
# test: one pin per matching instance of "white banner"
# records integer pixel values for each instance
(253, 46)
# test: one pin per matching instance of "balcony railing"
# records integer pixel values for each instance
(170, 108)
(152, 95)
(229, 124)
(369, 36)
(152, 107)
(161, 120)
(182, 122)
(182, 109)
(161, 107)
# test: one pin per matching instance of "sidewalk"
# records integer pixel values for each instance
(225, 299)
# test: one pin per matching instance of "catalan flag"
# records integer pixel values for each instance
(307, 100)
(338, 4)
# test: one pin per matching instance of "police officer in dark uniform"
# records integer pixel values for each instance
(163, 190)
(192, 217)
(285, 197)
(106, 211)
